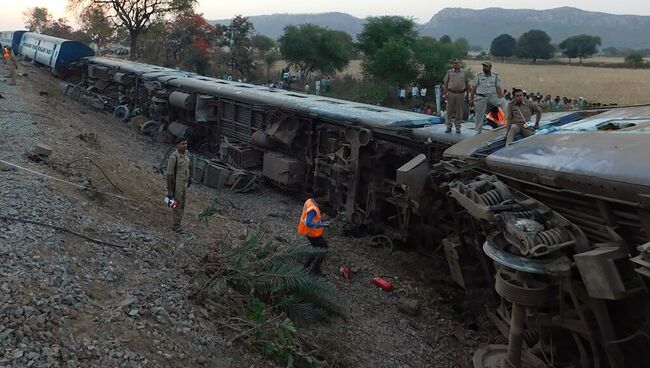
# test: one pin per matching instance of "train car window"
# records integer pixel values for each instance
(332, 102)
(244, 86)
(294, 95)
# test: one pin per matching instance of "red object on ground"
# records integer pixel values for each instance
(382, 283)
(345, 272)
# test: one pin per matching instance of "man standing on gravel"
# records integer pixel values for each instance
(13, 65)
(311, 226)
(486, 90)
(178, 179)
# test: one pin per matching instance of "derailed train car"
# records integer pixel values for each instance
(558, 222)
(362, 155)
(562, 221)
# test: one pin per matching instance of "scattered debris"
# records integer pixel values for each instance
(89, 138)
(43, 93)
(382, 283)
(345, 272)
(42, 149)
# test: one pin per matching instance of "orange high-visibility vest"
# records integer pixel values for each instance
(6, 54)
(303, 228)
(500, 119)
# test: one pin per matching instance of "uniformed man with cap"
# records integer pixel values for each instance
(486, 90)
(456, 85)
(178, 179)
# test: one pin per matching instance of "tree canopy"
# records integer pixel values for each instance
(135, 15)
(445, 39)
(580, 46)
(462, 45)
(314, 47)
(534, 44)
(97, 26)
(395, 52)
(503, 46)
(635, 60)
(377, 31)
(37, 19)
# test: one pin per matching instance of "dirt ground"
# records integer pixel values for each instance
(604, 85)
(137, 295)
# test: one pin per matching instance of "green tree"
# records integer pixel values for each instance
(392, 63)
(387, 43)
(445, 39)
(635, 60)
(462, 45)
(270, 58)
(37, 19)
(580, 46)
(377, 31)
(263, 44)
(238, 36)
(503, 46)
(135, 15)
(434, 58)
(314, 47)
(97, 26)
(59, 28)
(534, 44)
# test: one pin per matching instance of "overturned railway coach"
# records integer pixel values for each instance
(557, 224)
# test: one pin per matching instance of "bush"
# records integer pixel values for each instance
(635, 60)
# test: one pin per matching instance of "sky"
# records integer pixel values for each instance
(422, 10)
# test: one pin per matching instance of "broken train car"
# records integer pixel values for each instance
(562, 221)
(557, 223)
(369, 159)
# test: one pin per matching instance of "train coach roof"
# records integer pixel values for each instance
(335, 109)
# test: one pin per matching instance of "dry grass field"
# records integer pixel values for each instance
(604, 85)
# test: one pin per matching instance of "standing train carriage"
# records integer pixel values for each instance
(557, 224)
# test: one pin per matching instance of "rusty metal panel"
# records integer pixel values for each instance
(283, 170)
(600, 273)
(451, 245)
(244, 156)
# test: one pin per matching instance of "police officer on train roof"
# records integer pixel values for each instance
(486, 89)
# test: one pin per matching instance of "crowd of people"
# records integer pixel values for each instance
(548, 103)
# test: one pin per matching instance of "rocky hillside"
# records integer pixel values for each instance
(481, 26)
(273, 25)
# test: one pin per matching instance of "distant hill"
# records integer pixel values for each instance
(273, 25)
(480, 27)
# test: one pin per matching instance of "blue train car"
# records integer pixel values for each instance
(11, 39)
(57, 53)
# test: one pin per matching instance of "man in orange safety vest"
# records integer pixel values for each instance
(312, 227)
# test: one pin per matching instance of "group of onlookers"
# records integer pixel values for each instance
(548, 103)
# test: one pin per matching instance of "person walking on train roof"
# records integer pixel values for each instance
(520, 112)
(486, 90)
(456, 85)
(178, 179)
(312, 227)
(13, 66)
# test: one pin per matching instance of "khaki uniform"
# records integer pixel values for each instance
(456, 82)
(486, 93)
(12, 69)
(518, 116)
(180, 164)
